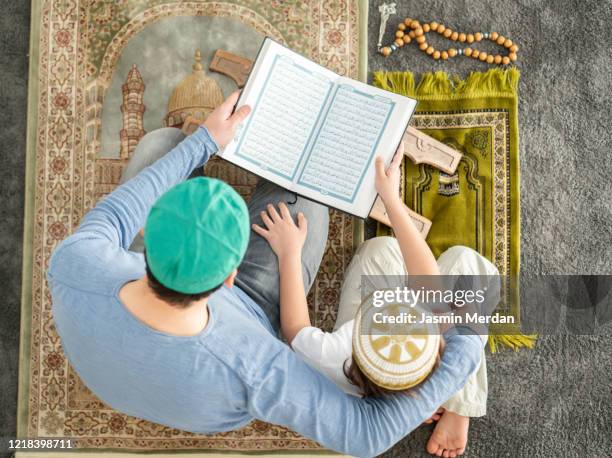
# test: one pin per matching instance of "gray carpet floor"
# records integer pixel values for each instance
(14, 35)
(555, 400)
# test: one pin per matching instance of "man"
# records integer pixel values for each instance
(178, 336)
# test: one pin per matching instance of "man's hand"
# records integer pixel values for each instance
(284, 236)
(388, 182)
(222, 124)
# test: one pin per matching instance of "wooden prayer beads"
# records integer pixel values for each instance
(411, 29)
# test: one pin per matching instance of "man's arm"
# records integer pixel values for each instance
(108, 230)
(111, 226)
(120, 215)
(291, 394)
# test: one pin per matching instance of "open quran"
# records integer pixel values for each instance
(315, 132)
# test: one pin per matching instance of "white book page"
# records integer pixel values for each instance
(361, 123)
(287, 93)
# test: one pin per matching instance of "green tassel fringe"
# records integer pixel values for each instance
(440, 85)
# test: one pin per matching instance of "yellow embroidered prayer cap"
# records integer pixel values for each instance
(394, 356)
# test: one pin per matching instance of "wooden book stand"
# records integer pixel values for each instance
(380, 214)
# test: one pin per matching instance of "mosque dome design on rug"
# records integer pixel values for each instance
(194, 97)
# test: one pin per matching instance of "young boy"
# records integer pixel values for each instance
(340, 355)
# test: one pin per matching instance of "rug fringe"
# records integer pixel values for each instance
(495, 80)
(398, 82)
(437, 83)
(477, 84)
(514, 341)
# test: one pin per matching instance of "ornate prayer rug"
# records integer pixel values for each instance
(478, 206)
(102, 74)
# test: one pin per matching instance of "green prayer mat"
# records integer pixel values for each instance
(479, 205)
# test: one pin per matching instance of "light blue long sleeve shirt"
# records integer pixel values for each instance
(236, 369)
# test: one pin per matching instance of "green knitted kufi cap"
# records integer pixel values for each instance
(196, 234)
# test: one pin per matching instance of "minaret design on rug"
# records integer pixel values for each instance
(133, 112)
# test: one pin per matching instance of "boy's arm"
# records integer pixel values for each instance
(418, 258)
(286, 239)
(293, 307)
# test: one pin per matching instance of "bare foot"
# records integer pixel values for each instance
(435, 417)
(450, 435)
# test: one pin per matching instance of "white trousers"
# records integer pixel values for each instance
(382, 256)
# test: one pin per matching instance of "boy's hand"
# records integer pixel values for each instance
(388, 182)
(284, 236)
(222, 124)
